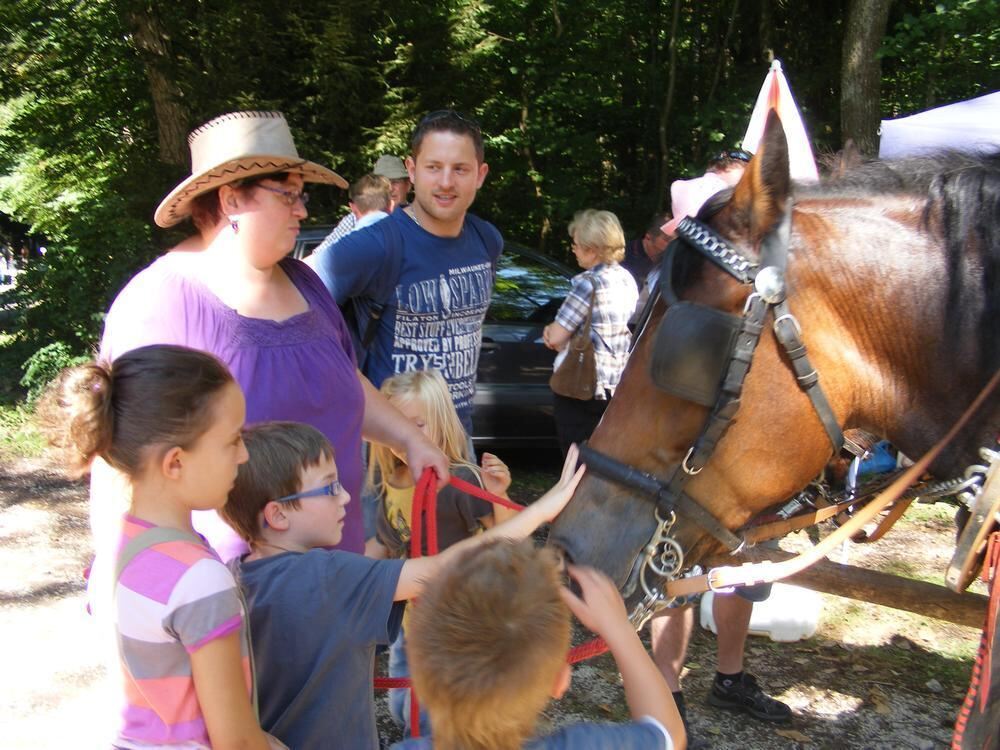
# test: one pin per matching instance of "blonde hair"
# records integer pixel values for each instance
(486, 643)
(444, 428)
(599, 231)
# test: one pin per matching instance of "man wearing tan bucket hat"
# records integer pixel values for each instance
(388, 166)
(229, 289)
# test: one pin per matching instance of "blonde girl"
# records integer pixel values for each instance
(422, 396)
(169, 418)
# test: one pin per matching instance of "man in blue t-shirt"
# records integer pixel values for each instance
(427, 270)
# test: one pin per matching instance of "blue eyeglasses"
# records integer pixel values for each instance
(288, 197)
(333, 489)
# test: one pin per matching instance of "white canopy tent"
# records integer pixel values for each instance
(972, 125)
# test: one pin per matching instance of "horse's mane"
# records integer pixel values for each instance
(962, 205)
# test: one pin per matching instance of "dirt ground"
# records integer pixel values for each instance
(870, 678)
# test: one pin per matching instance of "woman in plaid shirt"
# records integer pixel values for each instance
(599, 246)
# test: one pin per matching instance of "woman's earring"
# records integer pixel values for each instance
(235, 225)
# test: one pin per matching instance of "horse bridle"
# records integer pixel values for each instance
(662, 558)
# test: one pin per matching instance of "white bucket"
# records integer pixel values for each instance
(790, 614)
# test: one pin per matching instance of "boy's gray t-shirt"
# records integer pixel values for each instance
(316, 618)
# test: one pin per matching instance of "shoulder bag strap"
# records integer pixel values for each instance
(586, 326)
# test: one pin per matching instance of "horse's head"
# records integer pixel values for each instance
(608, 523)
(893, 271)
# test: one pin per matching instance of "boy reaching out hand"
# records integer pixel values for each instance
(488, 645)
(316, 613)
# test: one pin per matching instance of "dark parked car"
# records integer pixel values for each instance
(513, 402)
(309, 239)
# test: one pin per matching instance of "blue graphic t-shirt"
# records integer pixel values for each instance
(435, 314)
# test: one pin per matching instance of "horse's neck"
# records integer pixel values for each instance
(893, 369)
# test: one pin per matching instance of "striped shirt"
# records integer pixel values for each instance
(170, 600)
(614, 303)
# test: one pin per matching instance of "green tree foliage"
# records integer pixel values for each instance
(75, 159)
(940, 52)
(583, 104)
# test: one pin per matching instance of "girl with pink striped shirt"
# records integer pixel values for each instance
(169, 418)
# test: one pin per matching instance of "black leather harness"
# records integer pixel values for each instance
(703, 355)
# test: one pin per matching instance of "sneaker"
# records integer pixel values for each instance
(746, 695)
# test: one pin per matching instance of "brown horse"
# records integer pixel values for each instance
(893, 275)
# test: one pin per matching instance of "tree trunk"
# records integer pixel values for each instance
(668, 104)
(152, 43)
(861, 74)
(546, 229)
(723, 57)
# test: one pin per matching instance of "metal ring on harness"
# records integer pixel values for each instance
(684, 464)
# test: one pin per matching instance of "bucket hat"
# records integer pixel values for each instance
(233, 147)
(391, 167)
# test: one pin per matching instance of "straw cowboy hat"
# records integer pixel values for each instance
(233, 147)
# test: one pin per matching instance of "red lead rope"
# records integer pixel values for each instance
(424, 513)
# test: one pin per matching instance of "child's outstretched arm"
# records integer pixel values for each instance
(417, 572)
(602, 610)
(222, 694)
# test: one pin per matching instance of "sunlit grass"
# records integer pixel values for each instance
(19, 436)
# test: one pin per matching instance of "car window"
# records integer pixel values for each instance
(526, 290)
(307, 248)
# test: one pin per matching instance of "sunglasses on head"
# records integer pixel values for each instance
(738, 154)
(449, 114)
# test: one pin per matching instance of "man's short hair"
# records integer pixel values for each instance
(486, 643)
(447, 120)
(655, 226)
(279, 453)
(372, 192)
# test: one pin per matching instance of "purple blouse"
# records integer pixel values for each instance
(301, 369)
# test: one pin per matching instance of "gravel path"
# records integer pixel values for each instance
(870, 678)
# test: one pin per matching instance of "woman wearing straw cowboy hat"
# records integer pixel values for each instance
(230, 290)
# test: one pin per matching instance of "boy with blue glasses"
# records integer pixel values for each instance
(317, 614)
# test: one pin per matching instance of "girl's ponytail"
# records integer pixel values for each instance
(77, 415)
(152, 396)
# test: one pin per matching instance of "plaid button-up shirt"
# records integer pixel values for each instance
(614, 303)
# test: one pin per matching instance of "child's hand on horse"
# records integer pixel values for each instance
(553, 501)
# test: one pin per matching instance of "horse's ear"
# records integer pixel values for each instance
(762, 193)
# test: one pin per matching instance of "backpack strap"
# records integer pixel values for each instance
(150, 538)
(393, 265)
(161, 535)
(489, 235)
